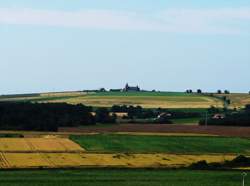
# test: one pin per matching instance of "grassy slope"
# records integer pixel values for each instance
(237, 99)
(145, 99)
(148, 100)
(162, 144)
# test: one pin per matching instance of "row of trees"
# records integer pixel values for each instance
(141, 113)
(239, 118)
(221, 92)
(199, 91)
(190, 91)
(49, 116)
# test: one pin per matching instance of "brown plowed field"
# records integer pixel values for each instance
(154, 128)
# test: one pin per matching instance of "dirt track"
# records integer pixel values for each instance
(215, 130)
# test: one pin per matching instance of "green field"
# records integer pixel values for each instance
(145, 99)
(121, 177)
(108, 99)
(162, 144)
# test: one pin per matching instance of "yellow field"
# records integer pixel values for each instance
(145, 102)
(52, 152)
(238, 100)
(59, 160)
(38, 145)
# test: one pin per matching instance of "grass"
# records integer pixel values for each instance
(40, 98)
(162, 144)
(121, 177)
(144, 99)
(147, 100)
(142, 94)
(238, 100)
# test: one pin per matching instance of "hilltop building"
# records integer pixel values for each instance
(128, 88)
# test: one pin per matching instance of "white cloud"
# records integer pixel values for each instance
(224, 20)
(85, 19)
(171, 20)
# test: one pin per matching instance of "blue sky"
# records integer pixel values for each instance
(166, 45)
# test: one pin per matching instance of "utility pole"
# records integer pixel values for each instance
(243, 178)
(206, 119)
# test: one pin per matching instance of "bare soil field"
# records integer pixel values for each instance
(160, 128)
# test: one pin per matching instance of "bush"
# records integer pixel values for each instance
(239, 161)
(200, 165)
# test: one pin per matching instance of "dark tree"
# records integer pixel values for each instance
(189, 91)
(228, 101)
(199, 91)
(213, 110)
(247, 107)
(43, 117)
(103, 116)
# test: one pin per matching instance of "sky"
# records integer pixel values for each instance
(168, 45)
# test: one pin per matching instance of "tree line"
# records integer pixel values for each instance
(48, 116)
(232, 118)
(141, 113)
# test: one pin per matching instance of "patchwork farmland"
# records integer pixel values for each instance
(124, 150)
(118, 151)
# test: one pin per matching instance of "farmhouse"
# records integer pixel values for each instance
(219, 116)
(128, 88)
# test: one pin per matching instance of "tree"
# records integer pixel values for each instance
(189, 91)
(247, 107)
(219, 92)
(102, 90)
(213, 110)
(226, 92)
(103, 116)
(199, 91)
(228, 101)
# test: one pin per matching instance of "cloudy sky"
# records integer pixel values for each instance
(158, 44)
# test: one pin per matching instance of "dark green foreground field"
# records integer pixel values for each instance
(117, 143)
(120, 177)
